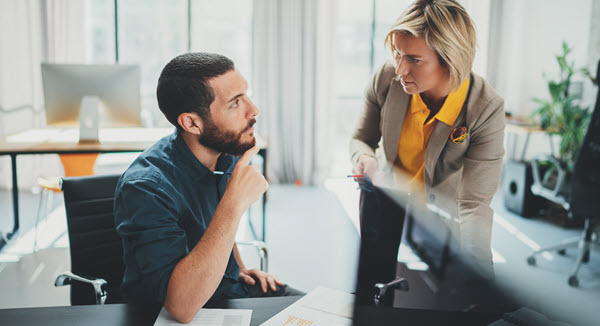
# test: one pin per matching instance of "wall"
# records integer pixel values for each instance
(530, 34)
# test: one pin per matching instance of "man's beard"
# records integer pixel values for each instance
(223, 141)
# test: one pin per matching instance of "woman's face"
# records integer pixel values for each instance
(419, 68)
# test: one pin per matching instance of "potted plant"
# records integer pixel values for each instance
(563, 115)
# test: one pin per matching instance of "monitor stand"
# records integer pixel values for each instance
(88, 119)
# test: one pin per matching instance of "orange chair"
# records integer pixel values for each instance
(74, 165)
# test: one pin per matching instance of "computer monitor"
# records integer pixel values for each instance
(92, 95)
(390, 291)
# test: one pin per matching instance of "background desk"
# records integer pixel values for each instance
(128, 315)
(65, 141)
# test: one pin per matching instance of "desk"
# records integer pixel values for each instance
(514, 131)
(367, 315)
(65, 141)
(129, 315)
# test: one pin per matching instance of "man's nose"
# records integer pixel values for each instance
(253, 111)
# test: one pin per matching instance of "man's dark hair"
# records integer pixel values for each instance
(183, 84)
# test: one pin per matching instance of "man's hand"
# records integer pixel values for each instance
(248, 276)
(246, 184)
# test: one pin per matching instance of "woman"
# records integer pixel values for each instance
(442, 126)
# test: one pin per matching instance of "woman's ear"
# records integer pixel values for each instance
(190, 122)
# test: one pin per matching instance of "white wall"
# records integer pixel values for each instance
(531, 34)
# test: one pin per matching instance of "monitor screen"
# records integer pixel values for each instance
(390, 290)
(116, 86)
(429, 238)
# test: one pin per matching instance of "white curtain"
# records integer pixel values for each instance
(293, 73)
(31, 32)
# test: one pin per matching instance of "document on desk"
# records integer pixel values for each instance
(320, 307)
(210, 317)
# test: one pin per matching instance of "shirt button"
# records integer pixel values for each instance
(431, 197)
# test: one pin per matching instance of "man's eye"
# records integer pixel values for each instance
(236, 103)
(415, 60)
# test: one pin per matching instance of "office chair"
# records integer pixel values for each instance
(581, 199)
(97, 266)
(74, 165)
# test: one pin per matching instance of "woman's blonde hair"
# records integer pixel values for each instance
(446, 28)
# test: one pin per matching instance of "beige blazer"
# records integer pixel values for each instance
(459, 178)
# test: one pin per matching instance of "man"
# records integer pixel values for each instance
(178, 218)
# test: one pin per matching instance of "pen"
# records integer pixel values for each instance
(356, 176)
(221, 173)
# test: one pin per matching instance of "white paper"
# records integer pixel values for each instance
(320, 307)
(210, 317)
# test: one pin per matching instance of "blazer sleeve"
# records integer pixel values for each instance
(367, 133)
(480, 178)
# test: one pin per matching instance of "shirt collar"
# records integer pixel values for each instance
(188, 160)
(453, 104)
(451, 107)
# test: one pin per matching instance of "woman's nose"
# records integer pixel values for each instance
(401, 67)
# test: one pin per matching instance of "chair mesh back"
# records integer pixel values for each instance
(96, 248)
(586, 175)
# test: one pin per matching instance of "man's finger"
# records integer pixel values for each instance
(245, 159)
(263, 285)
(249, 280)
(277, 280)
(272, 283)
(263, 282)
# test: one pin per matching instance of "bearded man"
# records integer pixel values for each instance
(178, 206)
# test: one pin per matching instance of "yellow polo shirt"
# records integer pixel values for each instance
(416, 131)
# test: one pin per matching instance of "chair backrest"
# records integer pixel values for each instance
(96, 248)
(586, 176)
(80, 164)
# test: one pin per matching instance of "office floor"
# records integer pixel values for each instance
(313, 240)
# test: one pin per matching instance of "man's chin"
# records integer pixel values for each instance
(251, 143)
(243, 147)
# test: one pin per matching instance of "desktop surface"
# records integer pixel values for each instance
(130, 315)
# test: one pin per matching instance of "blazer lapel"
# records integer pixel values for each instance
(439, 136)
(394, 111)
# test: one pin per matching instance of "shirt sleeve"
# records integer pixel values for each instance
(153, 241)
(367, 133)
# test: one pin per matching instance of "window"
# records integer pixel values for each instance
(152, 32)
(225, 29)
(360, 33)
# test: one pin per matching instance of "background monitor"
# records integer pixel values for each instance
(113, 89)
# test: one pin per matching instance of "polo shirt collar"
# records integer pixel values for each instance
(453, 104)
(451, 107)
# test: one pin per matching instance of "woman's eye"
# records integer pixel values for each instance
(415, 60)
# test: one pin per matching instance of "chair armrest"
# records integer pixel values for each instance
(99, 284)
(538, 187)
(261, 249)
(383, 290)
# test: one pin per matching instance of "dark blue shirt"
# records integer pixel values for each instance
(163, 205)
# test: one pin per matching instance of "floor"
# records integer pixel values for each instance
(312, 236)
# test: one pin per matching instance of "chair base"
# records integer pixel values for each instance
(586, 243)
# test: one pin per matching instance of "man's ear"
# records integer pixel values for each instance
(190, 122)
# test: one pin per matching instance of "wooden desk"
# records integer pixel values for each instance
(65, 141)
(514, 131)
(129, 315)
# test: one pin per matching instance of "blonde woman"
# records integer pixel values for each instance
(441, 125)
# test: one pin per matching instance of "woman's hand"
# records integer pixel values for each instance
(366, 164)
